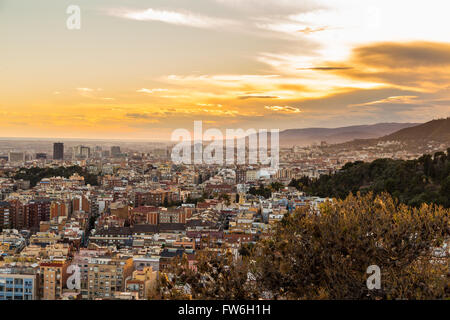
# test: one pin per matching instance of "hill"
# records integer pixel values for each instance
(307, 136)
(413, 182)
(435, 130)
(418, 139)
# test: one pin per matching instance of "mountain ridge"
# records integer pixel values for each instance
(308, 136)
(435, 130)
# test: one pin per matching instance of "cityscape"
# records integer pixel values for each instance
(286, 157)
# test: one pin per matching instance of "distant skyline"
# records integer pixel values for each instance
(164, 141)
(136, 70)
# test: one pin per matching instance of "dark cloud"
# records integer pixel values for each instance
(257, 97)
(343, 102)
(420, 65)
(138, 115)
(403, 55)
(326, 68)
(443, 102)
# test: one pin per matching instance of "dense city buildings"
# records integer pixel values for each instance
(109, 225)
(223, 150)
(122, 218)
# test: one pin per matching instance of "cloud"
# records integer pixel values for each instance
(150, 91)
(138, 115)
(309, 30)
(285, 109)
(181, 18)
(222, 77)
(256, 97)
(404, 55)
(85, 92)
(388, 100)
(85, 89)
(272, 6)
(325, 68)
(90, 93)
(209, 105)
(149, 118)
(422, 66)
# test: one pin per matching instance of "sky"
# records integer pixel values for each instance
(140, 69)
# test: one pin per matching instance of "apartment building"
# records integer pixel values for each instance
(5, 215)
(18, 282)
(107, 275)
(142, 282)
(53, 279)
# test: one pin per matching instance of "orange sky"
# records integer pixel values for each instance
(140, 69)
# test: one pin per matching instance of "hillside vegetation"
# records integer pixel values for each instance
(413, 182)
(34, 175)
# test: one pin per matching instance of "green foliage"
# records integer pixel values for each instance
(225, 197)
(262, 191)
(246, 249)
(171, 204)
(413, 182)
(34, 175)
(194, 200)
(276, 186)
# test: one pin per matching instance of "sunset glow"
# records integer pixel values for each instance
(140, 69)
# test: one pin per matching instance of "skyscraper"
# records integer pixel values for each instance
(58, 151)
(16, 156)
(81, 152)
(41, 156)
(115, 151)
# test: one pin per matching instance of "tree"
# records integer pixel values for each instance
(34, 175)
(246, 249)
(412, 182)
(276, 186)
(225, 197)
(216, 276)
(326, 255)
(261, 191)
